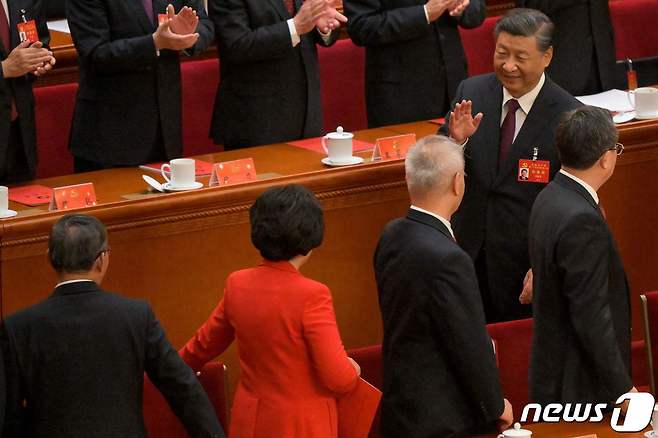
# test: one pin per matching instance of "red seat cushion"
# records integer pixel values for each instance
(370, 361)
(161, 422)
(513, 341)
(54, 112)
(342, 75)
(640, 365)
(199, 86)
(479, 45)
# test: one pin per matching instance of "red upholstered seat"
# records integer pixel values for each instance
(199, 85)
(54, 112)
(650, 314)
(640, 366)
(370, 361)
(161, 422)
(479, 46)
(513, 341)
(342, 75)
(636, 29)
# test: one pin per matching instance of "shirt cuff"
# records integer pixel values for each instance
(427, 16)
(326, 37)
(293, 32)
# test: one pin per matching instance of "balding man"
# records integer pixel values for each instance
(440, 377)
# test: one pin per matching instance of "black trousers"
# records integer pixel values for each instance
(16, 168)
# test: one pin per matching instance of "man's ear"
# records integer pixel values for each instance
(548, 56)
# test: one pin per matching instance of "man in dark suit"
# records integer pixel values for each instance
(21, 62)
(584, 43)
(128, 107)
(440, 377)
(75, 362)
(582, 333)
(518, 109)
(270, 82)
(414, 54)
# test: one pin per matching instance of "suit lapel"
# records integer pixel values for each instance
(140, 15)
(541, 112)
(280, 8)
(429, 220)
(570, 184)
(491, 108)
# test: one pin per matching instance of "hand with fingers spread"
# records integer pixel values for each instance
(183, 23)
(462, 123)
(458, 8)
(164, 38)
(436, 8)
(309, 14)
(27, 58)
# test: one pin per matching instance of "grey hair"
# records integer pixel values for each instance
(526, 23)
(432, 162)
(76, 241)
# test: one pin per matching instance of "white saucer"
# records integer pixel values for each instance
(647, 117)
(352, 161)
(7, 213)
(170, 188)
(650, 434)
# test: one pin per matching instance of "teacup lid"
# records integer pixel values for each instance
(517, 431)
(339, 134)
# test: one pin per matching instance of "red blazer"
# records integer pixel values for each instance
(293, 363)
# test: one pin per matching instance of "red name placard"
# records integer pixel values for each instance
(75, 196)
(393, 148)
(233, 172)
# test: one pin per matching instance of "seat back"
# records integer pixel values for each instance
(370, 361)
(513, 341)
(159, 419)
(479, 45)
(636, 33)
(53, 112)
(199, 80)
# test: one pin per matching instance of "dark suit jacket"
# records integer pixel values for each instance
(582, 334)
(496, 207)
(582, 29)
(269, 91)
(20, 89)
(412, 67)
(440, 377)
(129, 100)
(78, 359)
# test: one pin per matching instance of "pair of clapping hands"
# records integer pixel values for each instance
(28, 58)
(320, 14)
(436, 8)
(178, 31)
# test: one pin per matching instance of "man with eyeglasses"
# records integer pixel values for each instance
(582, 334)
(75, 362)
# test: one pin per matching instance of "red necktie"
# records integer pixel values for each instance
(507, 130)
(290, 6)
(148, 8)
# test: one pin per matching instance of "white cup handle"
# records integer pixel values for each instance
(162, 171)
(324, 145)
(631, 101)
(500, 436)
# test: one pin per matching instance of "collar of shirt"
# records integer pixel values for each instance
(443, 220)
(527, 100)
(72, 281)
(589, 188)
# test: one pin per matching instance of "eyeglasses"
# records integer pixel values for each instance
(618, 148)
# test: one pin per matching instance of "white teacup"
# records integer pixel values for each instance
(182, 172)
(4, 199)
(645, 101)
(516, 432)
(338, 146)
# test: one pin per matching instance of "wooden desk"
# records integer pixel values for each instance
(175, 250)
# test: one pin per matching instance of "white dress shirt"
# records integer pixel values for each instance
(587, 187)
(525, 102)
(443, 220)
(72, 281)
(296, 39)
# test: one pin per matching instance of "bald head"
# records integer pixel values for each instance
(431, 166)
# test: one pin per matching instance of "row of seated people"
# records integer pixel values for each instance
(341, 68)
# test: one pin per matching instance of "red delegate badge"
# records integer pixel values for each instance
(27, 31)
(534, 171)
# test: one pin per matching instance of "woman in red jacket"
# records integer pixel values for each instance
(293, 363)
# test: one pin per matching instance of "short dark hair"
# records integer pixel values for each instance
(526, 23)
(76, 241)
(584, 135)
(285, 222)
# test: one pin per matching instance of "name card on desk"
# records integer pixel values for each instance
(75, 196)
(393, 148)
(233, 172)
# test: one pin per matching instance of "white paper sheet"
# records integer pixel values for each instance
(613, 100)
(59, 25)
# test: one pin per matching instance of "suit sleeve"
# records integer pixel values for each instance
(323, 342)
(178, 384)
(90, 30)
(585, 286)
(205, 28)
(458, 318)
(11, 390)
(370, 25)
(474, 15)
(212, 338)
(239, 42)
(548, 6)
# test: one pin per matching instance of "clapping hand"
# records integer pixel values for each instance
(183, 23)
(458, 7)
(317, 13)
(462, 123)
(526, 293)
